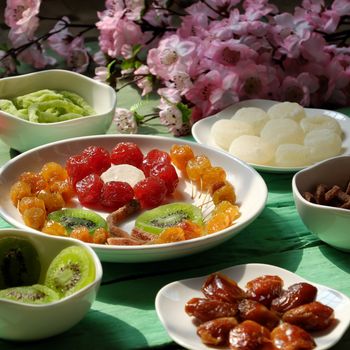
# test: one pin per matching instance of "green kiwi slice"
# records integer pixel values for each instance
(73, 217)
(36, 294)
(157, 219)
(19, 262)
(72, 269)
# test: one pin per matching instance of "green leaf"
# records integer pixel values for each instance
(186, 112)
(127, 64)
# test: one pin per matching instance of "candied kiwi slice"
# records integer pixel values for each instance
(72, 269)
(35, 294)
(156, 220)
(19, 262)
(73, 217)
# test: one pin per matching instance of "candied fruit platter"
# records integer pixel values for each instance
(132, 198)
(252, 306)
(276, 136)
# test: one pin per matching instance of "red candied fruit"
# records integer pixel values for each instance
(115, 194)
(153, 157)
(150, 192)
(89, 189)
(98, 159)
(168, 174)
(77, 168)
(127, 153)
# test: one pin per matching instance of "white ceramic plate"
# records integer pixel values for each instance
(201, 129)
(171, 300)
(250, 189)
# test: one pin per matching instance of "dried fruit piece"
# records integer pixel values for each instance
(211, 176)
(220, 287)
(89, 189)
(206, 309)
(36, 181)
(218, 222)
(224, 193)
(289, 337)
(82, 233)
(191, 229)
(52, 172)
(153, 157)
(249, 335)
(34, 217)
(19, 190)
(167, 173)
(97, 158)
(228, 208)
(216, 332)
(170, 235)
(296, 295)
(254, 311)
(314, 316)
(264, 288)
(54, 228)
(115, 194)
(196, 167)
(30, 202)
(53, 201)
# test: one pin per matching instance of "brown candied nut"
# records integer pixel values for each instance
(332, 193)
(220, 287)
(254, 311)
(250, 335)
(216, 332)
(347, 190)
(320, 193)
(344, 197)
(345, 205)
(290, 337)
(309, 197)
(314, 316)
(205, 309)
(296, 295)
(264, 288)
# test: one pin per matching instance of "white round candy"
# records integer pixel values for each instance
(317, 122)
(292, 155)
(286, 110)
(256, 117)
(322, 144)
(252, 149)
(224, 131)
(279, 131)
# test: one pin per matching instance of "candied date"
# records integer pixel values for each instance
(290, 337)
(220, 287)
(314, 316)
(296, 295)
(252, 310)
(206, 309)
(216, 332)
(249, 335)
(264, 288)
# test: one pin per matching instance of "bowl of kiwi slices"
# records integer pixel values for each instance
(44, 277)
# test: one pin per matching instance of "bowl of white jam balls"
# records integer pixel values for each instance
(47, 106)
(278, 134)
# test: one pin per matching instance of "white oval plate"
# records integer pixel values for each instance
(250, 189)
(171, 299)
(201, 129)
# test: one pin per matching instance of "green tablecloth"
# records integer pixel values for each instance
(123, 315)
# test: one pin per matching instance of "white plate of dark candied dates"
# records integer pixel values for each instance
(253, 306)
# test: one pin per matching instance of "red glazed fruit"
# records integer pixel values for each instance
(127, 153)
(115, 194)
(77, 168)
(98, 159)
(168, 174)
(89, 189)
(153, 157)
(150, 192)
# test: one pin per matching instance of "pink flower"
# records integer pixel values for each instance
(341, 7)
(255, 9)
(168, 96)
(60, 41)
(313, 49)
(21, 16)
(77, 58)
(229, 53)
(7, 64)
(125, 121)
(172, 51)
(144, 83)
(101, 74)
(34, 55)
(213, 91)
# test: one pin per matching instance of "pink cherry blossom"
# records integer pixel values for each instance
(60, 41)
(255, 9)
(101, 74)
(125, 121)
(21, 16)
(143, 79)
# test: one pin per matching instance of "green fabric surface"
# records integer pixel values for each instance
(123, 315)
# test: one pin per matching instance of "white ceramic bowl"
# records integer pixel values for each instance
(249, 186)
(330, 224)
(23, 322)
(22, 135)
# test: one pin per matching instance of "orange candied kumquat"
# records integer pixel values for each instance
(196, 167)
(180, 155)
(34, 217)
(211, 176)
(54, 228)
(171, 234)
(218, 222)
(224, 193)
(19, 190)
(82, 233)
(52, 172)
